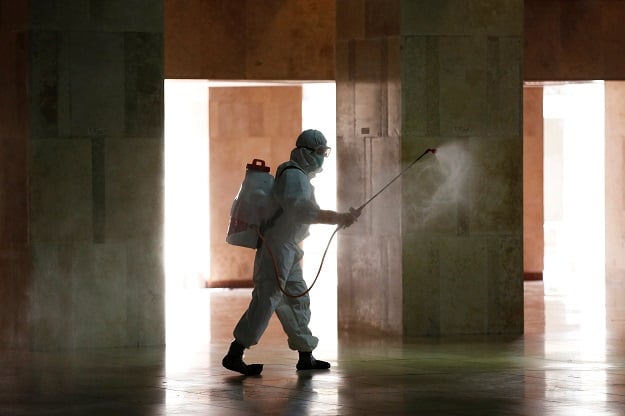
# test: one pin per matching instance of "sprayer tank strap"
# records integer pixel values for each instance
(271, 221)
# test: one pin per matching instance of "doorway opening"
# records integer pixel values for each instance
(565, 202)
(574, 189)
(203, 122)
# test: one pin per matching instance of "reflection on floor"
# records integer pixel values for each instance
(561, 366)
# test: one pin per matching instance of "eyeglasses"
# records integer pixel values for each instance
(320, 150)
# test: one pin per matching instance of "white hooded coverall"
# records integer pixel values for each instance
(293, 192)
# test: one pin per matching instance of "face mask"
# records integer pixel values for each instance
(319, 159)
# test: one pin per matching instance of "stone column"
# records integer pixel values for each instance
(96, 181)
(368, 128)
(441, 252)
(462, 213)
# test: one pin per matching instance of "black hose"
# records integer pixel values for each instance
(277, 272)
(355, 211)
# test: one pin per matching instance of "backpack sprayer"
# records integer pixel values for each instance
(249, 213)
(251, 205)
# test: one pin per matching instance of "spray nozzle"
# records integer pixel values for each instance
(355, 211)
(432, 150)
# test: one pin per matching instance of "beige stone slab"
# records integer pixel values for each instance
(414, 98)
(99, 295)
(495, 187)
(95, 61)
(462, 17)
(61, 199)
(463, 285)
(133, 189)
(462, 85)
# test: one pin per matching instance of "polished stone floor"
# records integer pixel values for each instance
(570, 361)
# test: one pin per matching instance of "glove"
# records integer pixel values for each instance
(355, 212)
(343, 219)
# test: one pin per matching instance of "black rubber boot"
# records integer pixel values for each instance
(308, 362)
(233, 361)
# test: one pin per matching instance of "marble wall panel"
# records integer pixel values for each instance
(352, 189)
(459, 86)
(415, 100)
(384, 211)
(60, 196)
(345, 92)
(371, 251)
(496, 186)
(246, 123)
(382, 18)
(133, 189)
(578, 36)
(205, 39)
(237, 40)
(99, 295)
(505, 285)
(103, 15)
(614, 179)
(462, 85)
(504, 98)
(369, 104)
(461, 17)
(369, 292)
(103, 295)
(421, 291)
(463, 285)
(351, 21)
(123, 15)
(52, 305)
(44, 84)
(144, 85)
(97, 84)
(78, 84)
(145, 293)
(304, 28)
(434, 190)
(60, 14)
(367, 19)
(393, 86)
(573, 40)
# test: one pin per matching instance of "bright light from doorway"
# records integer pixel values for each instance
(187, 250)
(187, 233)
(574, 198)
(186, 245)
(319, 112)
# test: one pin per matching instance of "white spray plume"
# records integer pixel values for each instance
(438, 186)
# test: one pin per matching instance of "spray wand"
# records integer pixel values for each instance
(356, 213)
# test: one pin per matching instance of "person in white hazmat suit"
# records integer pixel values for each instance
(296, 208)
